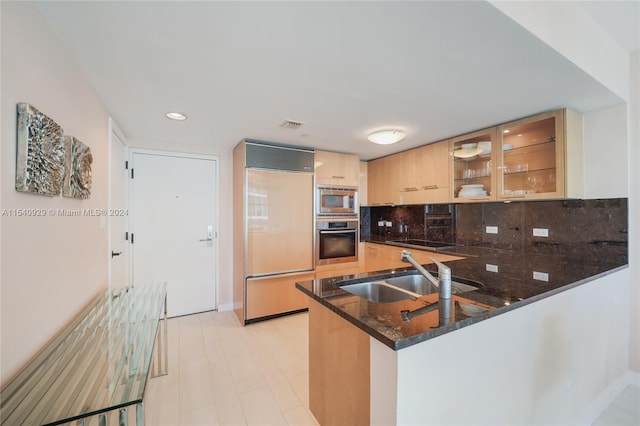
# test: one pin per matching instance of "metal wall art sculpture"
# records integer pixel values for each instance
(47, 161)
(77, 179)
(40, 159)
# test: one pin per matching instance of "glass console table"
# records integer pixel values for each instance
(99, 363)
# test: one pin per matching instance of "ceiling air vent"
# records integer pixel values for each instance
(291, 124)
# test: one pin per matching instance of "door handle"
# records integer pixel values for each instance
(209, 234)
(115, 253)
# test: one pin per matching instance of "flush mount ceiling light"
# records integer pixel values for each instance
(176, 116)
(386, 137)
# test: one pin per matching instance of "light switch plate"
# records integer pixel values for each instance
(381, 223)
(540, 232)
(491, 268)
(541, 276)
(492, 229)
(388, 224)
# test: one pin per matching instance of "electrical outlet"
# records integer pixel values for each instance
(492, 229)
(491, 268)
(381, 223)
(540, 232)
(541, 276)
(388, 224)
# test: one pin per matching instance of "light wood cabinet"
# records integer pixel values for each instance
(416, 176)
(333, 168)
(538, 157)
(277, 294)
(339, 383)
(363, 190)
(336, 270)
(473, 163)
(382, 178)
(408, 165)
(434, 173)
(541, 157)
(372, 257)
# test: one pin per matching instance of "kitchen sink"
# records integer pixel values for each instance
(399, 288)
(415, 283)
(378, 292)
(419, 284)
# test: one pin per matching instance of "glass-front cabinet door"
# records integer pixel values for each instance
(530, 155)
(474, 159)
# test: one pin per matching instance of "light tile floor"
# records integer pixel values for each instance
(221, 373)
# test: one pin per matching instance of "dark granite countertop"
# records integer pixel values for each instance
(511, 287)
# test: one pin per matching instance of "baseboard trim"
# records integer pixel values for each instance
(225, 307)
(606, 397)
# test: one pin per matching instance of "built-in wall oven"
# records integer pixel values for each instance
(336, 240)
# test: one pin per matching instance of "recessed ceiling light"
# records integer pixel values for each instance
(506, 131)
(386, 137)
(176, 116)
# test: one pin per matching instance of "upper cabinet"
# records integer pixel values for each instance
(473, 164)
(425, 175)
(337, 169)
(541, 157)
(538, 157)
(416, 176)
(383, 181)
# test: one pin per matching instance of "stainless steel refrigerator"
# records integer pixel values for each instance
(277, 234)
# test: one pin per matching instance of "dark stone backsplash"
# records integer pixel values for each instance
(593, 229)
(426, 222)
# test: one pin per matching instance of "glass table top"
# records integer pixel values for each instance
(100, 362)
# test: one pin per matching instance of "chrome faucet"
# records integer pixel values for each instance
(443, 284)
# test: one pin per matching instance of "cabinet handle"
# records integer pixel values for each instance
(410, 189)
(338, 177)
(430, 187)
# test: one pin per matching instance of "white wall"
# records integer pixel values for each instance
(384, 384)
(51, 266)
(568, 28)
(605, 153)
(540, 364)
(593, 50)
(634, 210)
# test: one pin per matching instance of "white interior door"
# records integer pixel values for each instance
(118, 210)
(174, 226)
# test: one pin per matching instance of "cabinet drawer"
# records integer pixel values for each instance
(275, 295)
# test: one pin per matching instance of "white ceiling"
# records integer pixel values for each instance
(621, 19)
(239, 69)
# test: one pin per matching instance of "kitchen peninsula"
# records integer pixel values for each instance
(368, 366)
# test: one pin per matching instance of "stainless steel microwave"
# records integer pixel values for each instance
(336, 201)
